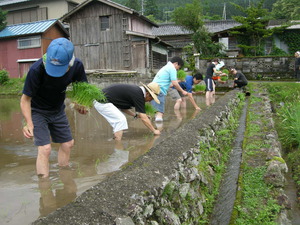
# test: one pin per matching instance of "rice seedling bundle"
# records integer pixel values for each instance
(150, 110)
(199, 87)
(181, 74)
(225, 71)
(224, 77)
(83, 94)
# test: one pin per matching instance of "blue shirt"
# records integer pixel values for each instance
(187, 85)
(165, 76)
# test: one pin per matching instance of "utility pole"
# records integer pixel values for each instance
(142, 7)
(224, 12)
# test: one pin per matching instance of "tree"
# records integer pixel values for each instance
(2, 19)
(286, 9)
(150, 8)
(191, 18)
(133, 4)
(252, 33)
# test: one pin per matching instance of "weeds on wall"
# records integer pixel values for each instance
(285, 99)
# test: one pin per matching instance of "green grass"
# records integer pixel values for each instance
(256, 202)
(13, 86)
(285, 100)
(256, 207)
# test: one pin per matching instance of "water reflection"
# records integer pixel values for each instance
(57, 193)
(95, 155)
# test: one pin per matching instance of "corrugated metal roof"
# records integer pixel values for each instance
(26, 28)
(10, 2)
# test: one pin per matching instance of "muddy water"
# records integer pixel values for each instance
(95, 155)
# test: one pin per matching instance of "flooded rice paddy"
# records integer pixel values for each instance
(24, 198)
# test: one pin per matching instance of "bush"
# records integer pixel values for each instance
(3, 76)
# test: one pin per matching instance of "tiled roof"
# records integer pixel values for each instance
(169, 29)
(216, 26)
(278, 23)
(10, 2)
(26, 28)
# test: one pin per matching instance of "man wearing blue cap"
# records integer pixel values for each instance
(42, 102)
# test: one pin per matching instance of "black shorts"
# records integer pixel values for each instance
(209, 84)
(50, 124)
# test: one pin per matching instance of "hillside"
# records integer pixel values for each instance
(210, 8)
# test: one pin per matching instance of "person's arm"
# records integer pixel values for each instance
(148, 123)
(25, 105)
(177, 86)
(217, 71)
(129, 112)
(191, 98)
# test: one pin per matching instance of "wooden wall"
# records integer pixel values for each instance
(98, 49)
(110, 49)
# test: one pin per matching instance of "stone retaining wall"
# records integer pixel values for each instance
(267, 68)
(140, 193)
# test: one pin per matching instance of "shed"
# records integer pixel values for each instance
(23, 44)
(110, 36)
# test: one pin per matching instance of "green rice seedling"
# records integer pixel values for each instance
(225, 71)
(83, 94)
(150, 110)
(224, 78)
(199, 87)
(181, 74)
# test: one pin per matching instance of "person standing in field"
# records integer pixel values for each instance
(186, 85)
(210, 85)
(42, 102)
(166, 76)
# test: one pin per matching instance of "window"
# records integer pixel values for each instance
(104, 22)
(232, 43)
(29, 42)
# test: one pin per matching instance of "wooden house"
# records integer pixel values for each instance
(25, 11)
(23, 44)
(110, 36)
(179, 37)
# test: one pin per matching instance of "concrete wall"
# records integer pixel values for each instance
(257, 67)
(164, 186)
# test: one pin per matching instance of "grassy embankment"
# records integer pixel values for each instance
(285, 99)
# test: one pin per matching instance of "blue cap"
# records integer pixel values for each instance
(59, 54)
